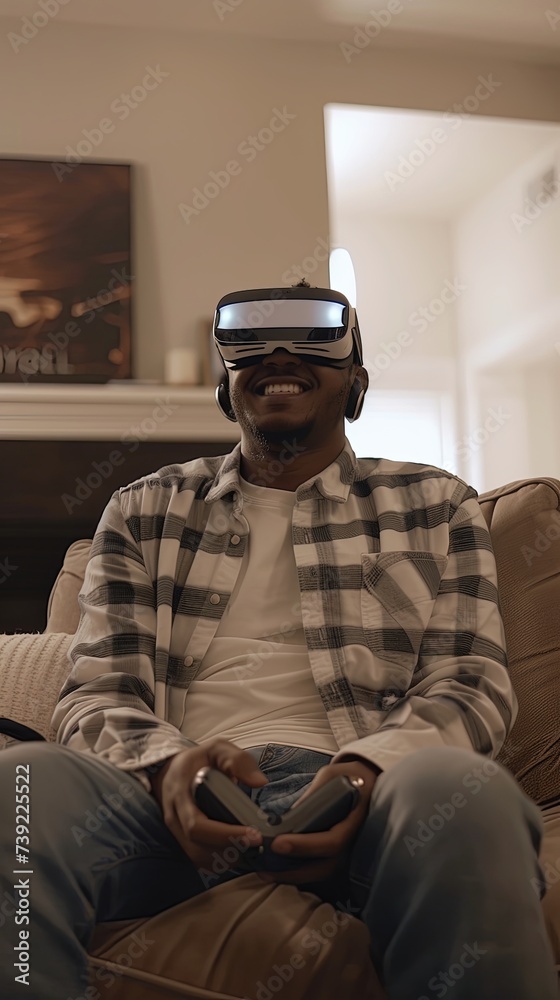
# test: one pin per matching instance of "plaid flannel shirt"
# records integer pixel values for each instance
(399, 605)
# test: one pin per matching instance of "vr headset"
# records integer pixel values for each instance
(317, 324)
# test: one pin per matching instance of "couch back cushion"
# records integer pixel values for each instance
(524, 520)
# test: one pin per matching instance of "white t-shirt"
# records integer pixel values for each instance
(255, 683)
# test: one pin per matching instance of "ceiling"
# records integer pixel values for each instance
(365, 144)
(521, 27)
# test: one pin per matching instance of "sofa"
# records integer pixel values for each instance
(247, 940)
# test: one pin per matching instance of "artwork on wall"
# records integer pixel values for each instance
(65, 271)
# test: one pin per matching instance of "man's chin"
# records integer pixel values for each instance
(274, 431)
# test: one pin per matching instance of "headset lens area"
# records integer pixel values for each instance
(297, 320)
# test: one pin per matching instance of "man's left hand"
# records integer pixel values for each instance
(331, 845)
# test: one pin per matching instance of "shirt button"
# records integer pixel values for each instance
(235, 539)
(189, 660)
(215, 599)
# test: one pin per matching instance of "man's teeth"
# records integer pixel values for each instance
(282, 387)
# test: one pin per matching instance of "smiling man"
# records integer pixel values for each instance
(288, 614)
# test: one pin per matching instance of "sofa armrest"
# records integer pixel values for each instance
(33, 669)
(63, 610)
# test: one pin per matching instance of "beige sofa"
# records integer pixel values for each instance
(249, 940)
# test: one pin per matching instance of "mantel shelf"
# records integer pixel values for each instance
(112, 412)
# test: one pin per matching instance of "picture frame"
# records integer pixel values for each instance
(66, 271)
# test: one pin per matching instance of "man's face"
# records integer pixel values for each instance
(311, 413)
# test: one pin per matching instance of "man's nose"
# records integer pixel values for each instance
(280, 354)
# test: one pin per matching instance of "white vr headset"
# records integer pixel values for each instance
(317, 324)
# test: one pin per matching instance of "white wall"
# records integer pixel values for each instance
(218, 92)
(507, 254)
(402, 265)
(542, 399)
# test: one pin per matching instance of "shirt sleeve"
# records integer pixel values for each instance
(106, 706)
(460, 693)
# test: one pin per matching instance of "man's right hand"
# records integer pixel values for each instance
(199, 836)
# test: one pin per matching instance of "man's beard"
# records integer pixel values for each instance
(265, 443)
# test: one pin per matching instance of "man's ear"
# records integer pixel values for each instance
(362, 374)
(358, 384)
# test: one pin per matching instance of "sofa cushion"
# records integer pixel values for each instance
(241, 939)
(33, 669)
(63, 610)
(524, 521)
(549, 858)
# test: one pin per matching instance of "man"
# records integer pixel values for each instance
(286, 614)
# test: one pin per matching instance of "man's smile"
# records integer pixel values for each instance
(281, 392)
(276, 384)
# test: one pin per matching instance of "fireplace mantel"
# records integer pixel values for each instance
(112, 412)
(64, 449)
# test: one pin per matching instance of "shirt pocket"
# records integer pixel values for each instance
(397, 597)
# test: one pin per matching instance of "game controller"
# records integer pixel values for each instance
(219, 798)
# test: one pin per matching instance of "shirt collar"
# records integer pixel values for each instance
(332, 483)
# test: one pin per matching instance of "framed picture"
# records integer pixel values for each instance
(66, 275)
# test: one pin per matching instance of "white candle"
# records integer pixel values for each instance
(182, 366)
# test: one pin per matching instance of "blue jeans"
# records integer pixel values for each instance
(442, 871)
